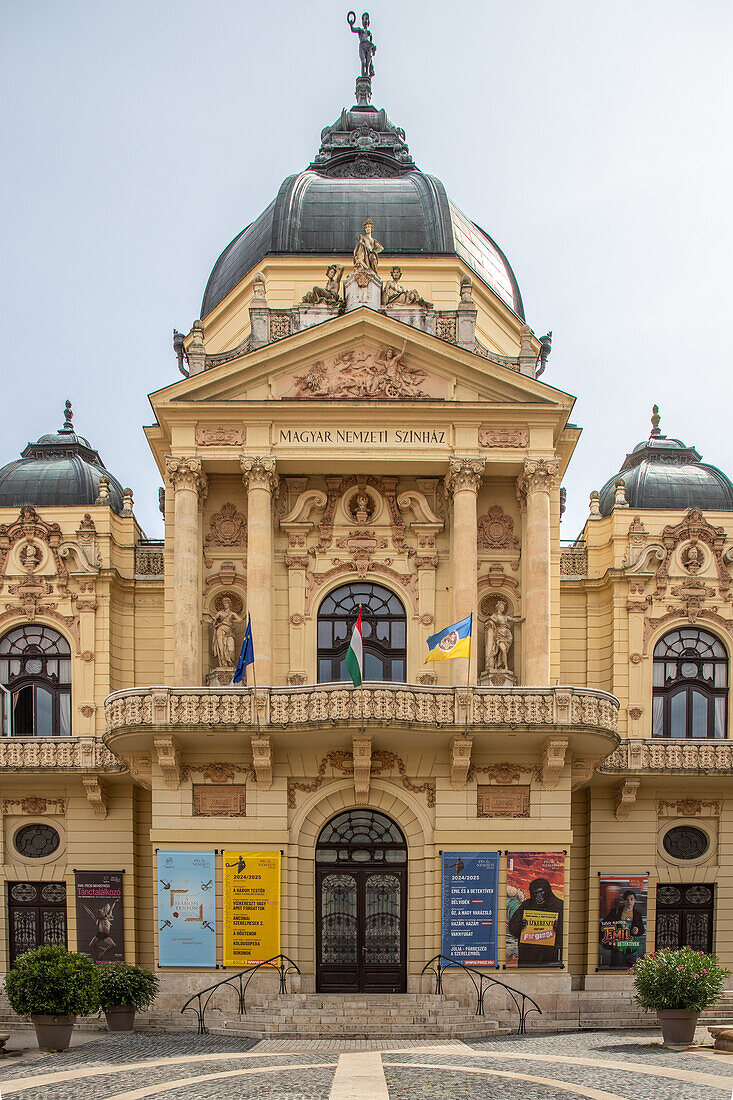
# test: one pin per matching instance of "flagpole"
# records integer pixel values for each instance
(468, 676)
(361, 685)
(254, 681)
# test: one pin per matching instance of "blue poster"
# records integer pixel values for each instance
(186, 909)
(468, 907)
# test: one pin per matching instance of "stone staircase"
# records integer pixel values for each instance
(719, 1014)
(356, 1016)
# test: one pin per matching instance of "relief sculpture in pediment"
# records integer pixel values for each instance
(364, 373)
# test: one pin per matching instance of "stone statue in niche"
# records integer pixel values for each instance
(499, 637)
(394, 294)
(367, 48)
(222, 634)
(366, 252)
(330, 294)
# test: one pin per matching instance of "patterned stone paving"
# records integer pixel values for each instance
(622, 1065)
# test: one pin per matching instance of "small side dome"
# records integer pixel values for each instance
(666, 474)
(60, 469)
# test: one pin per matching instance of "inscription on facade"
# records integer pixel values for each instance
(416, 437)
(219, 800)
(497, 801)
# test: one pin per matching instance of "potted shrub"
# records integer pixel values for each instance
(678, 986)
(123, 990)
(53, 986)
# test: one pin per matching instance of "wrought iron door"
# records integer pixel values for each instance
(685, 916)
(361, 929)
(37, 916)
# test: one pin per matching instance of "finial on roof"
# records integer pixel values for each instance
(68, 418)
(655, 420)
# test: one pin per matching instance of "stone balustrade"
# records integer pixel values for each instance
(282, 708)
(149, 559)
(573, 561)
(69, 754)
(657, 755)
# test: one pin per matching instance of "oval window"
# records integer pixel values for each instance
(686, 842)
(36, 841)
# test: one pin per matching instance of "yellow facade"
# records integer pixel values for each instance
(438, 479)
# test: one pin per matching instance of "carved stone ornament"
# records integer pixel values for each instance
(692, 558)
(216, 435)
(228, 528)
(553, 761)
(186, 473)
(169, 760)
(497, 801)
(626, 797)
(672, 757)
(464, 474)
(361, 506)
(259, 473)
(34, 807)
(362, 764)
(211, 800)
(96, 795)
(694, 529)
(30, 528)
(460, 750)
(262, 761)
(539, 475)
(496, 530)
(343, 762)
(635, 713)
(688, 807)
(503, 437)
(365, 372)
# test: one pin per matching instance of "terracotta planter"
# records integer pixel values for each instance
(678, 1027)
(120, 1017)
(53, 1032)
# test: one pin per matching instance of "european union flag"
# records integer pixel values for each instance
(247, 656)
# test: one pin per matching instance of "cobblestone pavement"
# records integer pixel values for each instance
(626, 1065)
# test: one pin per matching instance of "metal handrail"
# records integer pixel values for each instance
(436, 966)
(281, 963)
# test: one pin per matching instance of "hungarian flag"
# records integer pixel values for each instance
(354, 657)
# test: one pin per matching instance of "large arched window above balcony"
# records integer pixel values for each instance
(384, 630)
(690, 697)
(35, 667)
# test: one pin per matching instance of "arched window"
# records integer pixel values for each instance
(690, 685)
(384, 630)
(35, 666)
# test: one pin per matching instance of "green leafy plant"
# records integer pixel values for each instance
(125, 984)
(683, 979)
(51, 981)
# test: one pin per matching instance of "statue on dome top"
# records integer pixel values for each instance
(367, 49)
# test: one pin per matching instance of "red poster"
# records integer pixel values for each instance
(535, 900)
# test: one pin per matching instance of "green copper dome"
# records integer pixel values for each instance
(60, 469)
(667, 474)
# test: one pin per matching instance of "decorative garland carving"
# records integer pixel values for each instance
(217, 771)
(688, 807)
(34, 806)
(503, 437)
(216, 435)
(343, 761)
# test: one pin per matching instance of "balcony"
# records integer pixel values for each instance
(55, 754)
(658, 756)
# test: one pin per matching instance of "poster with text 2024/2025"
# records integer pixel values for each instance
(468, 909)
(186, 909)
(251, 883)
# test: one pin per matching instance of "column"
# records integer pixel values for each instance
(260, 478)
(189, 487)
(462, 483)
(535, 484)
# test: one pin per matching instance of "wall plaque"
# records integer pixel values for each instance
(496, 801)
(503, 437)
(219, 800)
(216, 435)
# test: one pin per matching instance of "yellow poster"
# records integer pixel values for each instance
(251, 907)
(539, 928)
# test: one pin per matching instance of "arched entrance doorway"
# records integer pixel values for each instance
(361, 904)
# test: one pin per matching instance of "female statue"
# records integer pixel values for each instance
(328, 295)
(222, 634)
(499, 637)
(367, 249)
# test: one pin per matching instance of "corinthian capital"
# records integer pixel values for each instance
(186, 473)
(259, 473)
(464, 473)
(539, 475)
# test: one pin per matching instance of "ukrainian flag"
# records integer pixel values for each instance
(454, 641)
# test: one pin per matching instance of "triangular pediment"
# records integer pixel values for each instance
(365, 357)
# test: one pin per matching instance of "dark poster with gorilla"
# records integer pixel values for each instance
(100, 929)
(535, 899)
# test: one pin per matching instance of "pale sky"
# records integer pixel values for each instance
(592, 141)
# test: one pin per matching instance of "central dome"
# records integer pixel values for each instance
(363, 169)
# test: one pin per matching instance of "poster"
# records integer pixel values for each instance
(535, 900)
(622, 920)
(468, 907)
(186, 909)
(100, 921)
(251, 907)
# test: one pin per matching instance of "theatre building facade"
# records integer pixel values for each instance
(365, 421)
